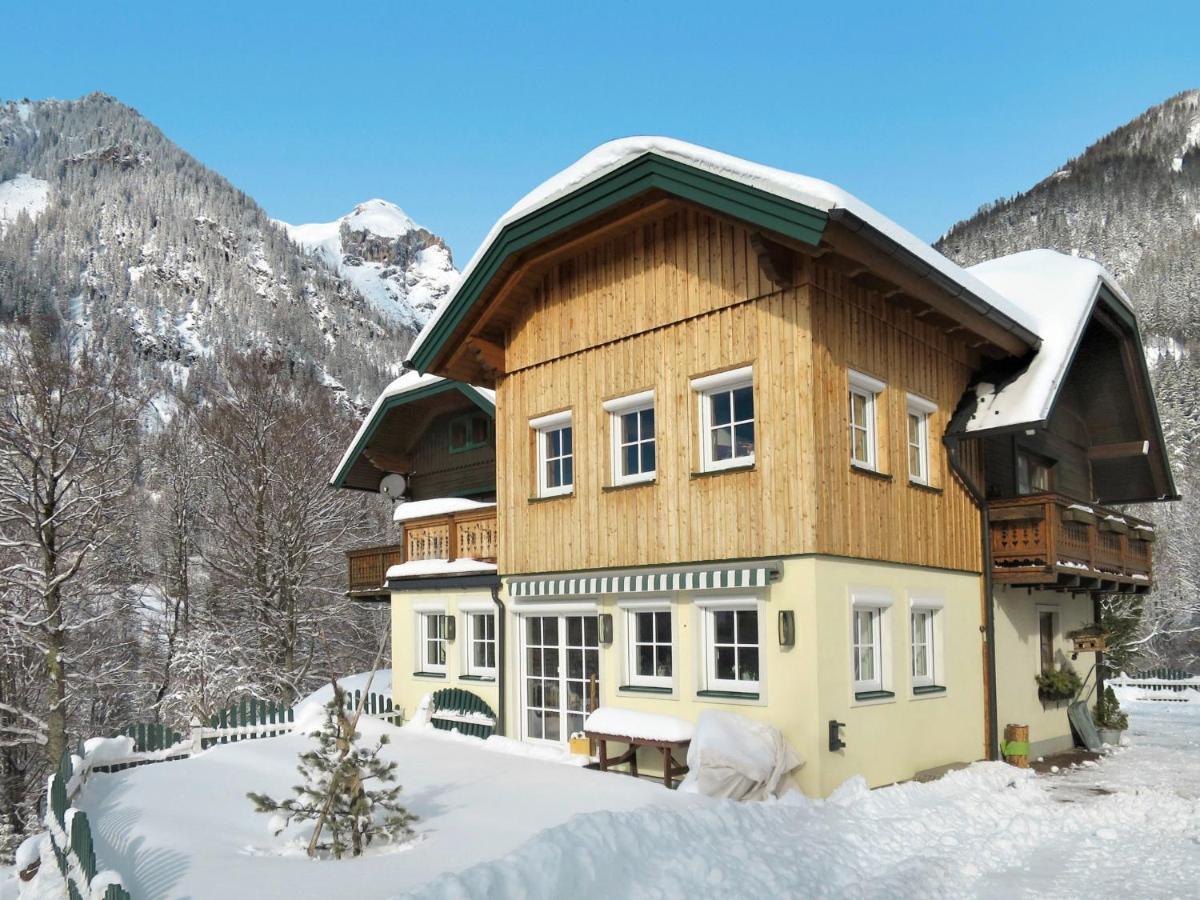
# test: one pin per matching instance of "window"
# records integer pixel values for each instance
(481, 644)
(1046, 633)
(651, 660)
(869, 617)
(863, 392)
(1033, 473)
(634, 446)
(468, 432)
(726, 419)
(923, 658)
(919, 411)
(433, 631)
(731, 648)
(555, 454)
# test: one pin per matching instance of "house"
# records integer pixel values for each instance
(758, 448)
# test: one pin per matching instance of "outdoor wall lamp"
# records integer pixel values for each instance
(448, 628)
(835, 736)
(606, 628)
(787, 628)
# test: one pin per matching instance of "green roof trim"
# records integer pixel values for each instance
(648, 172)
(403, 399)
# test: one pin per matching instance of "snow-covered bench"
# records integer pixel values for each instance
(639, 729)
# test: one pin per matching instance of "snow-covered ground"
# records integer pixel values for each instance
(22, 192)
(495, 824)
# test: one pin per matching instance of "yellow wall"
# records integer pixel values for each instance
(407, 687)
(1018, 661)
(805, 686)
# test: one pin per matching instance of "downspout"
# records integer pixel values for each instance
(951, 443)
(501, 631)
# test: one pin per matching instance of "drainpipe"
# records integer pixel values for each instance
(1097, 613)
(989, 609)
(501, 630)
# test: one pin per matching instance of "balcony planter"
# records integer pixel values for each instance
(1056, 685)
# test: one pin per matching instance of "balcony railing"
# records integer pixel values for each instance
(466, 535)
(1047, 540)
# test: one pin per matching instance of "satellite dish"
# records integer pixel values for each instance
(394, 486)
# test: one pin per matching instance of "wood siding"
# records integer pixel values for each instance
(684, 296)
(439, 473)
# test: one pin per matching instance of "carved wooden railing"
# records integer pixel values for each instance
(1054, 541)
(467, 535)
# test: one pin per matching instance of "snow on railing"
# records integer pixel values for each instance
(71, 835)
(1171, 685)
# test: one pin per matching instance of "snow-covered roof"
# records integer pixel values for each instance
(428, 568)
(405, 384)
(1057, 292)
(438, 506)
(811, 192)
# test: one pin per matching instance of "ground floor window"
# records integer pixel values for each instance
(433, 631)
(731, 647)
(924, 652)
(650, 647)
(481, 644)
(1046, 633)
(868, 653)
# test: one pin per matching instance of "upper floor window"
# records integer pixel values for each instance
(555, 454)
(468, 432)
(726, 418)
(634, 449)
(864, 390)
(1033, 473)
(919, 412)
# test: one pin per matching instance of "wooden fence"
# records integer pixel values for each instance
(1172, 685)
(71, 837)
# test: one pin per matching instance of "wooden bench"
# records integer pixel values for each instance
(670, 767)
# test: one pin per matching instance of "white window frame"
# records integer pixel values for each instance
(425, 616)
(923, 410)
(869, 389)
(933, 607)
(623, 406)
(722, 382)
(469, 613)
(543, 427)
(630, 610)
(878, 602)
(709, 680)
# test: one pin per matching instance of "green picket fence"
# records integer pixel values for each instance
(455, 709)
(79, 841)
(151, 736)
(377, 705)
(254, 714)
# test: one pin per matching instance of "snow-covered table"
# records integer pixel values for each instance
(637, 730)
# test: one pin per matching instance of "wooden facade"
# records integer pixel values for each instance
(686, 294)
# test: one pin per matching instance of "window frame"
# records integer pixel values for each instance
(617, 409)
(487, 673)
(1032, 458)
(543, 427)
(468, 418)
(1053, 613)
(878, 688)
(630, 610)
(706, 387)
(923, 409)
(870, 389)
(710, 683)
(425, 616)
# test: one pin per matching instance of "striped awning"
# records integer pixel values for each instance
(696, 579)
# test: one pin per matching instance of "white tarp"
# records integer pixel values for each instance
(738, 758)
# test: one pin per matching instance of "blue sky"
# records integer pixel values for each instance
(454, 111)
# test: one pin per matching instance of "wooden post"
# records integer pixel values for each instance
(1016, 745)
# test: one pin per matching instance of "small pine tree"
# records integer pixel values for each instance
(1108, 712)
(335, 792)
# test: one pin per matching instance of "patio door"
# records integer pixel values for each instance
(562, 658)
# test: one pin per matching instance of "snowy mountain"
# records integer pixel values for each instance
(99, 210)
(403, 270)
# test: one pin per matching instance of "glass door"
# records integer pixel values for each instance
(562, 663)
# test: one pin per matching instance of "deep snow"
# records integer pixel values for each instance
(499, 825)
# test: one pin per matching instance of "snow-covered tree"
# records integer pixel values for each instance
(347, 790)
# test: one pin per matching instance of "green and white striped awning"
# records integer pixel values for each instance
(696, 579)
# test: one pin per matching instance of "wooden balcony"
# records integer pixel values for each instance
(1051, 541)
(462, 535)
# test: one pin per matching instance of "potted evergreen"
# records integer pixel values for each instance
(1059, 684)
(1109, 718)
